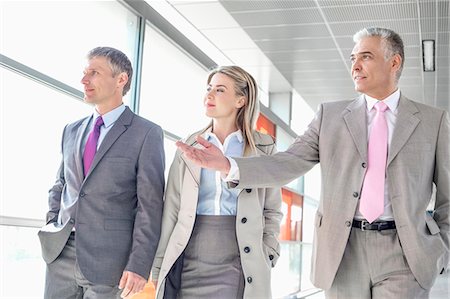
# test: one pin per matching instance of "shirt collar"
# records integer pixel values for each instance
(237, 133)
(110, 118)
(391, 101)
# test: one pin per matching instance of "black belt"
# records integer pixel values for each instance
(379, 225)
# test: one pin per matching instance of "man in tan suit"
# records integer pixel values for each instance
(402, 248)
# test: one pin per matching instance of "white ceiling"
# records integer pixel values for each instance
(309, 42)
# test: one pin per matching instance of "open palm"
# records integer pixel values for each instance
(210, 156)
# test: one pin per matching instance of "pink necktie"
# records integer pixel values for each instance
(371, 204)
(91, 145)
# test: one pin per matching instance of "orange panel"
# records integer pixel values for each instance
(291, 229)
(147, 293)
(285, 233)
(264, 125)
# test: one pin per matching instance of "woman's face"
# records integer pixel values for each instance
(221, 100)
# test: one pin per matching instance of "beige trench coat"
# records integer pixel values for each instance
(257, 223)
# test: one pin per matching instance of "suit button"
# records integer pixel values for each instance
(271, 257)
(355, 194)
(244, 220)
(348, 223)
(364, 165)
(72, 221)
(246, 249)
(248, 190)
(249, 279)
(82, 194)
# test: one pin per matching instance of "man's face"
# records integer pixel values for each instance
(100, 86)
(371, 72)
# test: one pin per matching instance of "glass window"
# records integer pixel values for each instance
(312, 184)
(280, 104)
(169, 150)
(302, 114)
(284, 140)
(53, 37)
(309, 211)
(33, 117)
(22, 267)
(173, 86)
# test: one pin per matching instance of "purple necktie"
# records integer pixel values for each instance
(371, 204)
(91, 145)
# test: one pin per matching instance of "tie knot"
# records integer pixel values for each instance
(99, 122)
(381, 106)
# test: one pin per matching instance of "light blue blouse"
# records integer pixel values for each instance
(214, 198)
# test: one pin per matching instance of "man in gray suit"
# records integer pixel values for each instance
(380, 155)
(105, 208)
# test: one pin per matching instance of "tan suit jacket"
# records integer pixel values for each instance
(337, 139)
(261, 208)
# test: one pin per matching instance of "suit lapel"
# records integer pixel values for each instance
(405, 125)
(79, 148)
(118, 128)
(356, 120)
(193, 169)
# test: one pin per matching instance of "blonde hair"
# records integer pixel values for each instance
(245, 85)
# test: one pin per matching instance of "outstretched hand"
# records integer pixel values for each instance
(209, 157)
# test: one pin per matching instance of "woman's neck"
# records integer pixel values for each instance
(222, 129)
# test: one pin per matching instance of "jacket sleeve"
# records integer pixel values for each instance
(272, 218)
(150, 192)
(54, 194)
(281, 168)
(442, 182)
(170, 213)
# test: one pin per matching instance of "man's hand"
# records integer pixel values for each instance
(131, 283)
(210, 157)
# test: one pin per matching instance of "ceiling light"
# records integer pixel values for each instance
(428, 55)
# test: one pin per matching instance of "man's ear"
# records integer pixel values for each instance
(123, 79)
(396, 62)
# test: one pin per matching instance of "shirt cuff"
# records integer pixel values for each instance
(233, 174)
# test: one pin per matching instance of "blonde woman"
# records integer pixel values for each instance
(218, 242)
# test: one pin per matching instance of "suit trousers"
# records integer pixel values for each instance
(212, 265)
(374, 266)
(64, 279)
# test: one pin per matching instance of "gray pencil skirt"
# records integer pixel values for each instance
(212, 266)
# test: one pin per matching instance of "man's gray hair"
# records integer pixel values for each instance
(118, 62)
(393, 43)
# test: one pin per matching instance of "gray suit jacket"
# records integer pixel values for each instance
(117, 208)
(418, 158)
